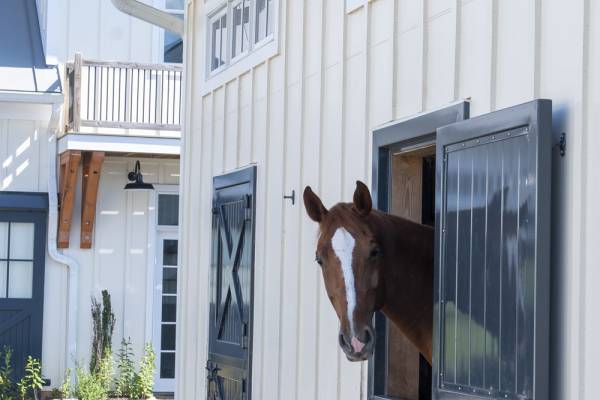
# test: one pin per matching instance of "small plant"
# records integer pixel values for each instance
(32, 381)
(103, 320)
(144, 381)
(89, 386)
(64, 390)
(126, 369)
(6, 384)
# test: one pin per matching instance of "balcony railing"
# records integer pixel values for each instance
(123, 95)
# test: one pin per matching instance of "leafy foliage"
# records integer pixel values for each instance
(30, 384)
(125, 368)
(144, 381)
(6, 384)
(32, 381)
(89, 386)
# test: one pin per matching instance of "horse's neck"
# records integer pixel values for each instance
(408, 278)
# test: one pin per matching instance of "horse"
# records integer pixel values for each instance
(372, 261)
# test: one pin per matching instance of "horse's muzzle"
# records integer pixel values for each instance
(359, 347)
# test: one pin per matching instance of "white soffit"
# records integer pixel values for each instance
(119, 144)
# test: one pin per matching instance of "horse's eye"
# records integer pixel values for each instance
(319, 260)
(374, 252)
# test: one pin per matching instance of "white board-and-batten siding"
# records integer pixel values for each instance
(120, 261)
(99, 31)
(305, 117)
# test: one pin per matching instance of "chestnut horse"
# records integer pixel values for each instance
(374, 261)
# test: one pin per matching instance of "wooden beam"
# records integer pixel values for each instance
(69, 164)
(92, 166)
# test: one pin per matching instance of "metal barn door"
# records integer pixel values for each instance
(492, 261)
(232, 268)
(22, 268)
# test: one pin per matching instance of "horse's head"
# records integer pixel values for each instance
(350, 257)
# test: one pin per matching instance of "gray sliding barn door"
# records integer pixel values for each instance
(492, 260)
(232, 270)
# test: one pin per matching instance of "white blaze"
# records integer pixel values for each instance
(342, 243)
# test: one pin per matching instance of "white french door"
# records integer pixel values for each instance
(165, 311)
(164, 330)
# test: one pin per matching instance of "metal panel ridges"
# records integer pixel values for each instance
(488, 267)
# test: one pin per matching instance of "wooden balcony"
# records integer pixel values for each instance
(116, 97)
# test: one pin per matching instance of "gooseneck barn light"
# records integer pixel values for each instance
(137, 180)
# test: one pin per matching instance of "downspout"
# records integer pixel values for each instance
(71, 264)
(150, 14)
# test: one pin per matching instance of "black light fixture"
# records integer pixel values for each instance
(137, 180)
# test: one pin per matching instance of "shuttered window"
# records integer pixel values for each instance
(492, 261)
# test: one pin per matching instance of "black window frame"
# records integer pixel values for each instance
(417, 130)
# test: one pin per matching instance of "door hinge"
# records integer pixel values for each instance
(245, 336)
(244, 389)
(562, 144)
(248, 211)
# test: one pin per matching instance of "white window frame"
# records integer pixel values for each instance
(154, 282)
(257, 53)
(213, 17)
(247, 51)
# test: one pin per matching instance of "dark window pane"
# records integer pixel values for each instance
(261, 21)
(170, 252)
(173, 46)
(167, 365)
(169, 308)
(167, 337)
(168, 209)
(169, 280)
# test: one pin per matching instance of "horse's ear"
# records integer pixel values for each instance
(362, 199)
(314, 206)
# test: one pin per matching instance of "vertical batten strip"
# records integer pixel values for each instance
(584, 167)
(301, 259)
(424, 47)
(319, 288)
(457, 49)
(537, 48)
(493, 53)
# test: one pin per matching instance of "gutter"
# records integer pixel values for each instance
(71, 264)
(150, 14)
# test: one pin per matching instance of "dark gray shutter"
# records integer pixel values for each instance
(21, 319)
(492, 262)
(232, 270)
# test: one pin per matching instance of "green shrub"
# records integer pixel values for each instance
(143, 384)
(6, 384)
(89, 386)
(32, 381)
(125, 369)
(64, 390)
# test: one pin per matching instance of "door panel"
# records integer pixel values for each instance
(232, 271)
(492, 262)
(22, 266)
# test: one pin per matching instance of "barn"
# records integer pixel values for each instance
(477, 117)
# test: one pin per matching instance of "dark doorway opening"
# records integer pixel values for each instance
(404, 184)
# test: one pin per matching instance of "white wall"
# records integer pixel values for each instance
(118, 262)
(99, 31)
(305, 116)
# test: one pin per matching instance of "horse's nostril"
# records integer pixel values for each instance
(343, 341)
